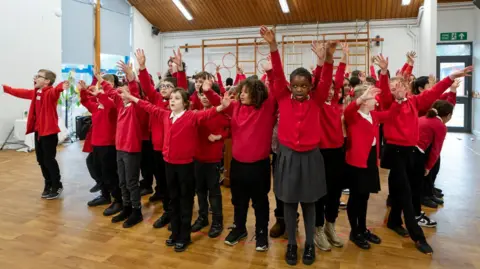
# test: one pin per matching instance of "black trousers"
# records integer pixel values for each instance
(161, 188)
(401, 161)
(147, 165)
(181, 187)
(429, 180)
(327, 206)
(251, 181)
(128, 165)
(207, 185)
(357, 211)
(419, 182)
(92, 168)
(46, 151)
(105, 158)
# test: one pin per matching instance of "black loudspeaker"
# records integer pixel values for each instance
(477, 3)
(155, 30)
(186, 47)
(83, 124)
(377, 43)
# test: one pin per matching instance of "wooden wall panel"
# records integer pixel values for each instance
(214, 14)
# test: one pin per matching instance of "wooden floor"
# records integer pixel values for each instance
(65, 233)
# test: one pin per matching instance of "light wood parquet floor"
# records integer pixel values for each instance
(65, 233)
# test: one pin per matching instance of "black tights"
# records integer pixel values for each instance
(357, 211)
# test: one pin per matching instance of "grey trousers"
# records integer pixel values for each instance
(128, 165)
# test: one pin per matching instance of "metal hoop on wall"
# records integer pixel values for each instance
(259, 65)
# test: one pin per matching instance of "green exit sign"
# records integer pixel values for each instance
(453, 36)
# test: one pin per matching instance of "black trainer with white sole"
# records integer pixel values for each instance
(425, 221)
(235, 236)
(261, 241)
(54, 194)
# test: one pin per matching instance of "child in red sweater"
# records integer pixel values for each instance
(401, 136)
(160, 99)
(432, 132)
(331, 147)
(128, 141)
(208, 154)
(178, 152)
(43, 121)
(300, 173)
(104, 124)
(361, 157)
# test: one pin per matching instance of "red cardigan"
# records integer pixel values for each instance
(104, 118)
(128, 136)
(207, 151)
(403, 130)
(48, 118)
(155, 98)
(331, 135)
(299, 124)
(178, 145)
(361, 132)
(432, 133)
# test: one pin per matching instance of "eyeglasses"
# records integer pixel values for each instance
(168, 86)
(38, 76)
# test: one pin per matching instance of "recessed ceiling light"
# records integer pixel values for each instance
(406, 2)
(284, 6)
(182, 9)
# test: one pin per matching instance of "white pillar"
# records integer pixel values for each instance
(428, 39)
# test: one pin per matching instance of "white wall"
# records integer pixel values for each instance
(29, 42)
(397, 43)
(476, 74)
(457, 18)
(143, 38)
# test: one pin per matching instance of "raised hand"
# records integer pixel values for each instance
(455, 85)
(207, 84)
(240, 69)
(217, 69)
(141, 59)
(330, 48)
(369, 94)
(466, 72)
(381, 62)
(372, 60)
(318, 48)
(226, 100)
(411, 55)
(125, 93)
(127, 69)
(268, 35)
(66, 85)
(95, 91)
(177, 59)
(82, 85)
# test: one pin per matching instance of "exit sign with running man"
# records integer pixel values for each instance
(453, 36)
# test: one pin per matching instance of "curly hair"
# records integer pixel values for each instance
(256, 89)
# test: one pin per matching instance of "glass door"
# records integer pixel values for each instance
(462, 115)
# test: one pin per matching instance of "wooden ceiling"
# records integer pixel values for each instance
(214, 14)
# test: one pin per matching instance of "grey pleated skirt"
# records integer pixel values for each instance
(299, 176)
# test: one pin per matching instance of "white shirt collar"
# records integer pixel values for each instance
(175, 117)
(401, 100)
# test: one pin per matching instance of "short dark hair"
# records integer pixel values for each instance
(303, 72)
(354, 81)
(356, 73)
(229, 82)
(256, 89)
(171, 80)
(371, 80)
(49, 75)
(417, 83)
(202, 75)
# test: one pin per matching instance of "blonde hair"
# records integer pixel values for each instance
(360, 90)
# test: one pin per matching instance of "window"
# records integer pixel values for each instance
(454, 50)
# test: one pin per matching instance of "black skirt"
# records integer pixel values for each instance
(364, 180)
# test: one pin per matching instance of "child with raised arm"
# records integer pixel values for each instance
(401, 136)
(300, 172)
(104, 124)
(362, 159)
(43, 121)
(178, 151)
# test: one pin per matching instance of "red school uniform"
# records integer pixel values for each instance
(178, 145)
(432, 134)
(128, 136)
(207, 151)
(362, 133)
(331, 135)
(403, 130)
(157, 99)
(299, 124)
(42, 115)
(104, 118)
